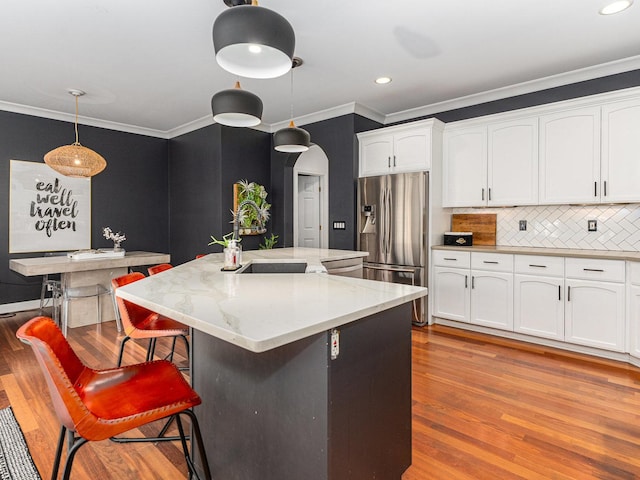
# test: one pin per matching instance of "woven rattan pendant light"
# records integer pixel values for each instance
(292, 139)
(252, 41)
(75, 160)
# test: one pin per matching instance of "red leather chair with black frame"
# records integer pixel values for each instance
(89, 404)
(141, 323)
(159, 268)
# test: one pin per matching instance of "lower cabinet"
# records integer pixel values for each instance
(594, 314)
(633, 337)
(539, 306)
(492, 299)
(595, 303)
(451, 298)
(575, 300)
(538, 296)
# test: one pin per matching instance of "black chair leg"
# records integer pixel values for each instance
(124, 340)
(56, 463)
(151, 350)
(78, 442)
(197, 437)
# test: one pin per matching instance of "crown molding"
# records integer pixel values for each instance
(574, 76)
(71, 118)
(205, 122)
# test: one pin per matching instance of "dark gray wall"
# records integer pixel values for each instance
(129, 196)
(203, 167)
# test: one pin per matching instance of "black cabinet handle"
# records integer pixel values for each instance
(569, 293)
(593, 270)
(394, 160)
(489, 193)
(538, 266)
(483, 194)
(473, 281)
(605, 188)
(466, 281)
(389, 161)
(487, 261)
(595, 189)
(559, 292)
(451, 259)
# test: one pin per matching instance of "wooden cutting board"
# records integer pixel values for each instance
(483, 226)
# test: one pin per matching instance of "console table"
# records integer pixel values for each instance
(79, 273)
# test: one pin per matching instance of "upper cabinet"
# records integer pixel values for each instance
(582, 151)
(464, 171)
(570, 156)
(512, 175)
(620, 170)
(402, 148)
(493, 164)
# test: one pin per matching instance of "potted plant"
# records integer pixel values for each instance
(231, 249)
(251, 219)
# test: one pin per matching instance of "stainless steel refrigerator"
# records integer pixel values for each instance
(392, 227)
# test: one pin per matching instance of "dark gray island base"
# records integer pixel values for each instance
(293, 413)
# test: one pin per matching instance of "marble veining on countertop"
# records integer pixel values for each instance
(261, 311)
(554, 252)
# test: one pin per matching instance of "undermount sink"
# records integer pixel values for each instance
(274, 267)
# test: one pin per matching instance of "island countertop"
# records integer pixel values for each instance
(262, 311)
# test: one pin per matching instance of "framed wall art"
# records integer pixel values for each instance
(47, 211)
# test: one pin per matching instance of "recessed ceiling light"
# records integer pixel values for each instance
(383, 80)
(615, 7)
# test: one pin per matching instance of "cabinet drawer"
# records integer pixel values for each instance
(449, 258)
(539, 265)
(634, 273)
(595, 269)
(495, 262)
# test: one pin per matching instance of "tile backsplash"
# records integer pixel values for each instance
(565, 226)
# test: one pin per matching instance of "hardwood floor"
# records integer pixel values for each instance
(483, 408)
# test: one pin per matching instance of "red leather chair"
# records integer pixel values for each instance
(89, 403)
(159, 268)
(141, 323)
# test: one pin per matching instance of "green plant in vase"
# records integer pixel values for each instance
(224, 242)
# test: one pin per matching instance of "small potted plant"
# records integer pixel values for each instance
(117, 238)
(232, 251)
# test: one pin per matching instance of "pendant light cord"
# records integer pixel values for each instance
(77, 142)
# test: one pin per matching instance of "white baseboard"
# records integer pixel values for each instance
(19, 306)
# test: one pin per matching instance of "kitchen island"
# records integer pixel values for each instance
(302, 375)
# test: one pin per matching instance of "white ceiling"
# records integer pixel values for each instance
(148, 66)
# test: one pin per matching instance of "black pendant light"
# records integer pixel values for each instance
(252, 41)
(292, 139)
(236, 107)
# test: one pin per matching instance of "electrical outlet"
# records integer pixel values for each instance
(592, 225)
(522, 224)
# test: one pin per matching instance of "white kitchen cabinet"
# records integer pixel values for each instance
(476, 289)
(451, 276)
(451, 298)
(595, 303)
(633, 309)
(401, 148)
(620, 168)
(538, 296)
(492, 290)
(464, 176)
(569, 157)
(512, 175)
(492, 164)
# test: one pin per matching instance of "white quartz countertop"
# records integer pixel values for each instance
(260, 311)
(553, 252)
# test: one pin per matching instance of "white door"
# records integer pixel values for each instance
(620, 147)
(492, 299)
(512, 176)
(594, 314)
(309, 211)
(569, 157)
(451, 295)
(464, 178)
(539, 306)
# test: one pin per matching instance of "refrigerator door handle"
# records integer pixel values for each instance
(390, 268)
(388, 212)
